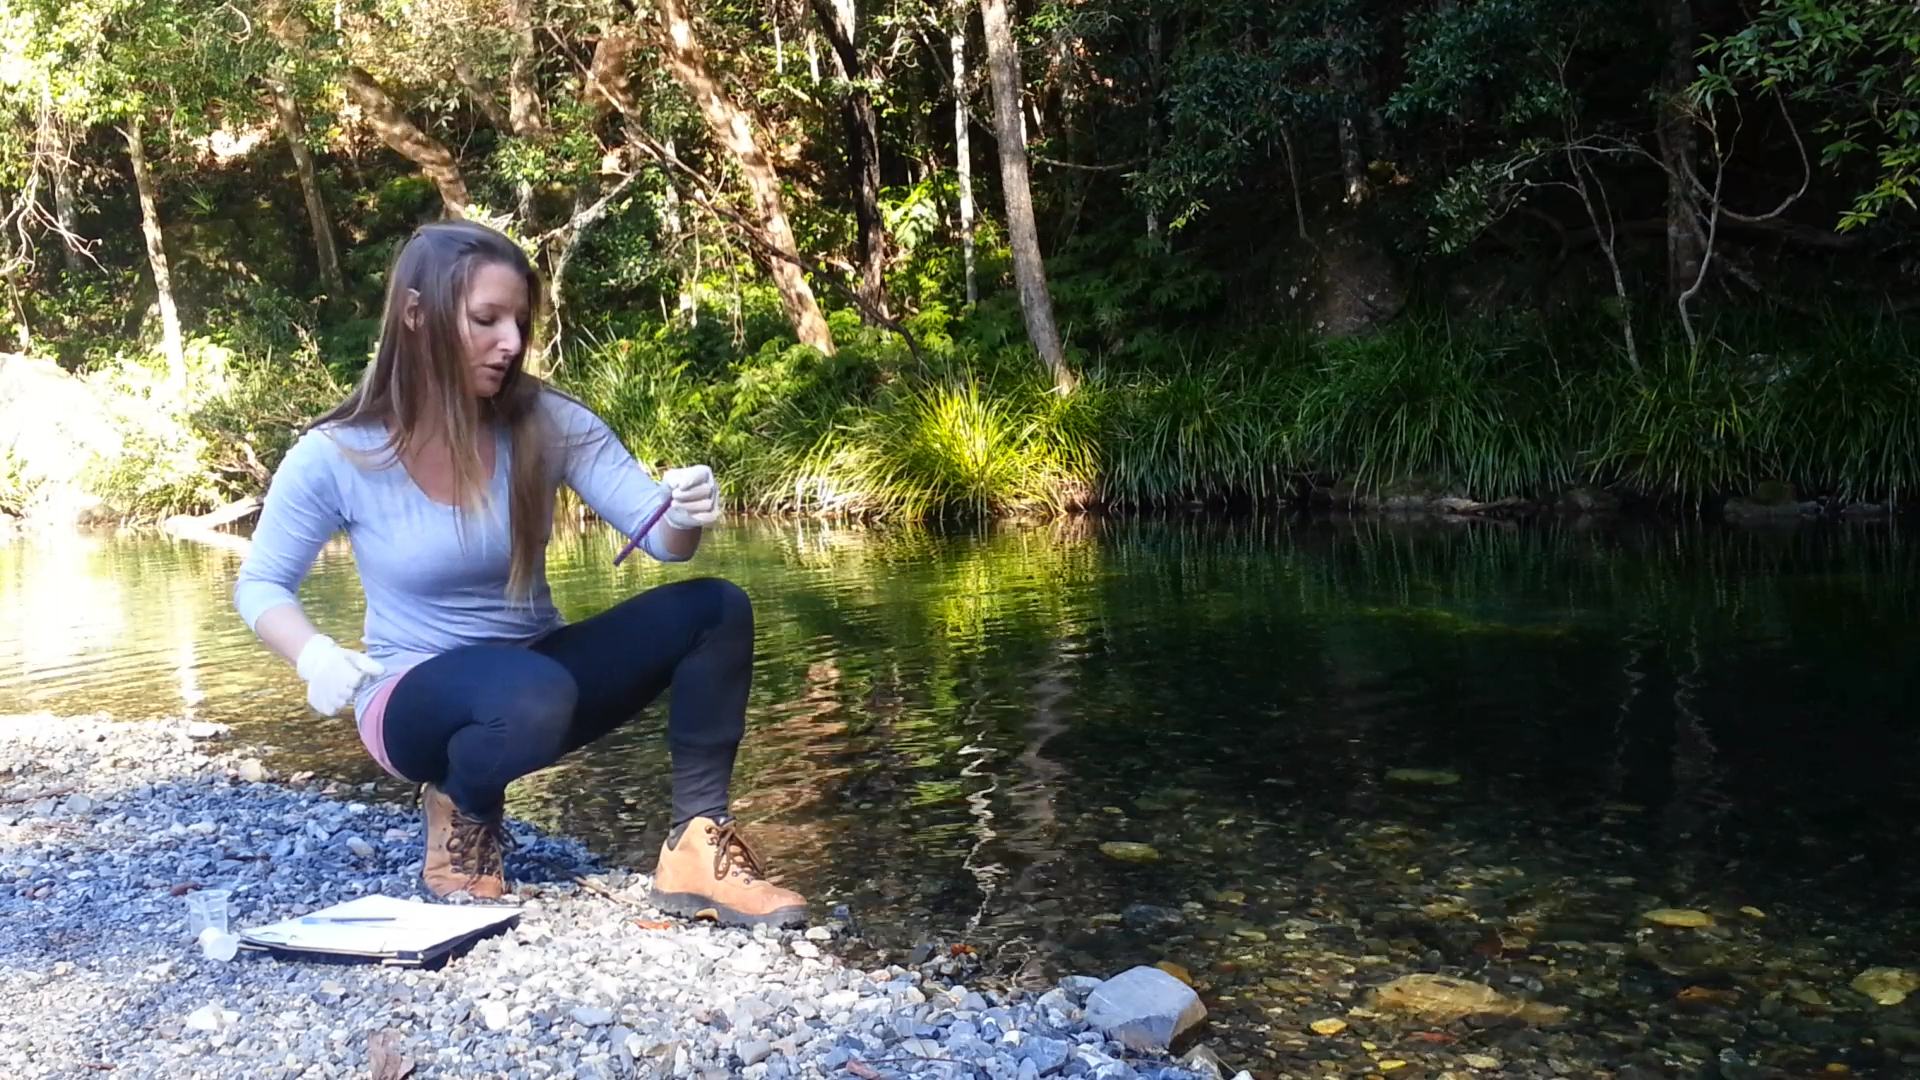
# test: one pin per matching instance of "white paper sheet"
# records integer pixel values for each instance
(410, 927)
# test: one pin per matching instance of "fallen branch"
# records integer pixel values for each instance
(1044, 160)
(598, 889)
(1469, 506)
(185, 524)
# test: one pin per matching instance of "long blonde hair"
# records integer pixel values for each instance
(418, 381)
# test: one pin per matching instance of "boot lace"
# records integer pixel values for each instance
(477, 847)
(732, 852)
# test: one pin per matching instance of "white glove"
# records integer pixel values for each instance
(333, 674)
(696, 498)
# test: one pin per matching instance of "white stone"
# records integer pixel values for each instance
(1144, 1008)
(211, 1018)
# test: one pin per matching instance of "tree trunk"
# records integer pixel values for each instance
(1029, 274)
(523, 99)
(388, 120)
(1353, 159)
(1679, 146)
(731, 128)
(1154, 51)
(294, 127)
(607, 81)
(172, 343)
(407, 140)
(482, 96)
(1358, 285)
(840, 21)
(963, 151)
(65, 213)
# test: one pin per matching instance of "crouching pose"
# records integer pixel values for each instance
(441, 467)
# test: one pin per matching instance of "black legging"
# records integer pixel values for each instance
(473, 719)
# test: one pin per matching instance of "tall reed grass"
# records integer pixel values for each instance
(1426, 406)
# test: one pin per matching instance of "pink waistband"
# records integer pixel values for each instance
(372, 722)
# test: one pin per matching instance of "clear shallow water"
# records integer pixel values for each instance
(946, 727)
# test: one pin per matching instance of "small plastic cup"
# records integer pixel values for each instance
(207, 908)
(219, 945)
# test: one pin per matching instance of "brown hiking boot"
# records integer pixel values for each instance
(463, 852)
(713, 874)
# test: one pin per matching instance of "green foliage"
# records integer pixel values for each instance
(1425, 402)
(1690, 428)
(954, 447)
(673, 398)
(159, 469)
(1856, 61)
(1849, 411)
(1210, 427)
(1131, 299)
(188, 451)
(17, 485)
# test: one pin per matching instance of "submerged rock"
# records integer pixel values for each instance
(1442, 998)
(1885, 985)
(1329, 1026)
(1435, 777)
(1589, 500)
(1685, 918)
(1144, 1008)
(1130, 852)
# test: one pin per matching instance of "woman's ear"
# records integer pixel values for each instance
(411, 316)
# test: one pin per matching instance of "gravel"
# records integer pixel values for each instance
(105, 826)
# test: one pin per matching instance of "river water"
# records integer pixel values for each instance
(947, 727)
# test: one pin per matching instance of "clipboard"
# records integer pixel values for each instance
(395, 932)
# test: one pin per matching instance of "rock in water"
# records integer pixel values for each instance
(1144, 1008)
(1436, 777)
(1886, 986)
(1444, 999)
(1174, 970)
(1679, 917)
(1204, 1064)
(1329, 1026)
(1127, 851)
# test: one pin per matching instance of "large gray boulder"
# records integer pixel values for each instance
(1144, 1008)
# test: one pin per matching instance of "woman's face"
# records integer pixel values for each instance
(490, 327)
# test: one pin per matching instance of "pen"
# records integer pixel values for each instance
(653, 520)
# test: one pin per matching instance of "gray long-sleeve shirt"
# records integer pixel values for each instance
(435, 578)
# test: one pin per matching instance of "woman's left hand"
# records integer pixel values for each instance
(696, 498)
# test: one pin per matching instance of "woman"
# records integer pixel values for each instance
(442, 467)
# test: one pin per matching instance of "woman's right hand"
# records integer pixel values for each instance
(334, 674)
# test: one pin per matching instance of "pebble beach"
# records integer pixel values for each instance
(106, 827)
